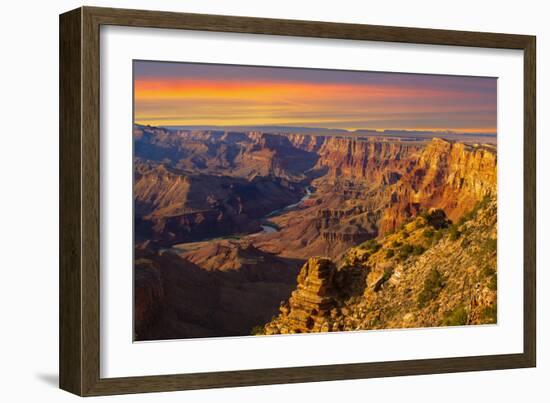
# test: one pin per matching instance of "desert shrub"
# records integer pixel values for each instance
(437, 236)
(371, 245)
(405, 234)
(428, 233)
(390, 253)
(402, 225)
(433, 283)
(467, 217)
(454, 233)
(418, 250)
(473, 212)
(457, 317)
(437, 219)
(405, 251)
(396, 244)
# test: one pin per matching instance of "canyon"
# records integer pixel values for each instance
(249, 232)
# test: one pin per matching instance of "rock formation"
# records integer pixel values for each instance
(172, 206)
(312, 300)
(429, 273)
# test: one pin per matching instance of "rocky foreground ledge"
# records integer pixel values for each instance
(428, 273)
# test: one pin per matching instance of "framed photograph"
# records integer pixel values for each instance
(250, 201)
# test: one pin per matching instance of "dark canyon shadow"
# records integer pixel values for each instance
(176, 298)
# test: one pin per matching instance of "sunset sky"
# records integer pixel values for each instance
(181, 94)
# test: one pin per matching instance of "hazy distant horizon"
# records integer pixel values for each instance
(326, 130)
(316, 128)
(489, 138)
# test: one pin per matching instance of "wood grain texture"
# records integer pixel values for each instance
(80, 201)
(530, 202)
(90, 202)
(316, 29)
(70, 275)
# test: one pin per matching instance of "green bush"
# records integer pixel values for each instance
(418, 250)
(370, 245)
(437, 219)
(387, 274)
(457, 317)
(390, 253)
(405, 251)
(428, 233)
(467, 217)
(396, 244)
(472, 213)
(433, 283)
(454, 233)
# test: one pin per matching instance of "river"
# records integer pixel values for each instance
(269, 228)
(266, 227)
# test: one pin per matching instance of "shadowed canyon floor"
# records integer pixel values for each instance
(240, 233)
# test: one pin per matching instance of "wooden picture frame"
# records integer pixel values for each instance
(80, 199)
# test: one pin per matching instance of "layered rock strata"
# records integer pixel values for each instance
(431, 272)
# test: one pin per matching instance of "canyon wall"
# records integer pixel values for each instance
(429, 273)
(173, 206)
(376, 162)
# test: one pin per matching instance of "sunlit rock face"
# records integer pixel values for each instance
(428, 273)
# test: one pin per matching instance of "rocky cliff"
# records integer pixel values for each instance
(447, 175)
(428, 273)
(173, 206)
(244, 155)
(370, 188)
(407, 177)
(376, 162)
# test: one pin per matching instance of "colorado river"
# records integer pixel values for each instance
(268, 228)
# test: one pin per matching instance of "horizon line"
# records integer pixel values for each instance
(474, 131)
